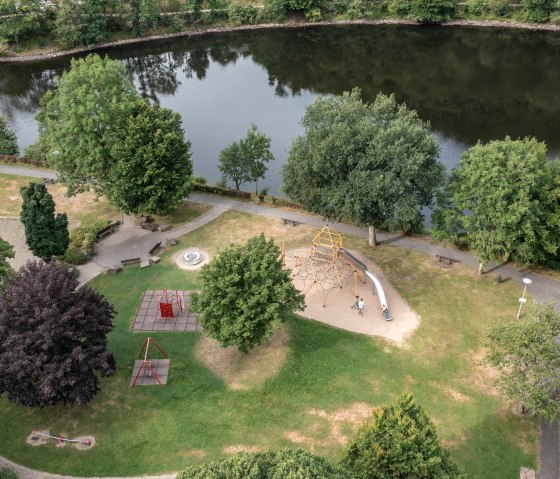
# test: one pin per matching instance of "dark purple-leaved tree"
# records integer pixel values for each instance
(53, 337)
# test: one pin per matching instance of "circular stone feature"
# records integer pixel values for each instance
(192, 258)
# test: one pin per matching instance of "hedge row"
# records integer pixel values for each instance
(22, 160)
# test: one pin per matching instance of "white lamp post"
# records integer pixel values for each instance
(523, 299)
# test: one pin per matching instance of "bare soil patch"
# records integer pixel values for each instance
(483, 377)
(244, 371)
(240, 448)
(452, 393)
(354, 415)
(198, 453)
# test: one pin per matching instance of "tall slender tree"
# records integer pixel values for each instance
(45, 234)
(8, 139)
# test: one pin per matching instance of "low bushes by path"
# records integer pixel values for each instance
(328, 383)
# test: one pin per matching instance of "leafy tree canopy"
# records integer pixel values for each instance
(45, 234)
(8, 139)
(425, 11)
(503, 196)
(375, 163)
(244, 160)
(6, 251)
(24, 18)
(399, 441)
(527, 353)
(283, 464)
(151, 167)
(81, 23)
(246, 294)
(53, 337)
(101, 134)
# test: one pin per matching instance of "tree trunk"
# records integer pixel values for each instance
(256, 186)
(372, 238)
(480, 269)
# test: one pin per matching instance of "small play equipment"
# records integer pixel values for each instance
(39, 437)
(171, 303)
(150, 371)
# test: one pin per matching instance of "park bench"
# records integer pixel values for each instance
(286, 221)
(108, 230)
(49, 181)
(129, 261)
(445, 260)
(155, 248)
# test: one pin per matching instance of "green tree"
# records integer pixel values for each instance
(244, 160)
(103, 136)
(45, 234)
(81, 23)
(23, 18)
(6, 251)
(232, 165)
(246, 294)
(8, 139)
(537, 10)
(527, 353)
(375, 163)
(283, 464)
(399, 442)
(78, 119)
(151, 168)
(425, 11)
(503, 197)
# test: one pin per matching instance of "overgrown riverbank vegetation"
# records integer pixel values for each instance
(32, 25)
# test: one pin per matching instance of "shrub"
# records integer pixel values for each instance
(82, 239)
(74, 256)
(500, 8)
(425, 11)
(8, 473)
(241, 14)
(199, 179)
(313, 15)
(273, 11)
(477, 8)
(537, 10)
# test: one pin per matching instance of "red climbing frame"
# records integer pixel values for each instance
(170, 303)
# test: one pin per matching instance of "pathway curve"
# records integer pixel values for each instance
(114, 247)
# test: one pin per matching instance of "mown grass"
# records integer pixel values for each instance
(87, 208)
(195, 416)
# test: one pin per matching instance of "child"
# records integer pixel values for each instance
(361, 306)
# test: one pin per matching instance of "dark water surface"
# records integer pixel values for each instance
(470, 83)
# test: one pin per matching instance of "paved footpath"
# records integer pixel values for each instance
(111, 250)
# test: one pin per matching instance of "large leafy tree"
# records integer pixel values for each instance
(503, 197)
(102, 135)
(426, 11)
(399, 441)
(245, 160)
(284, 464)
(8, 139)
(375, 163)
(527, 353)
(81, 22)
(23, 18)
(6, 251)
(151, 167)
(81, 115)
(45, 234)
(53, 337)
(246, 294)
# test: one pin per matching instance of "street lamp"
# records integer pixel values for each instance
(523, 299)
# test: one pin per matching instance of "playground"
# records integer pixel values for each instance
(321, 381)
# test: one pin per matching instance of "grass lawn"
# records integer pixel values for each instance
(85, 207)
(196, 417)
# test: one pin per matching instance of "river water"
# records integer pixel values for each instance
(470, 83)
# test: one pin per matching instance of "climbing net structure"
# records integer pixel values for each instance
(323, 268)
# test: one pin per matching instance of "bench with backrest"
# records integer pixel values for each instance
(155, 248)
(126, 262)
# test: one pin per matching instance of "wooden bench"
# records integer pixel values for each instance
(445, 260)
(108, 230)
(126, 262)
(155, 248)
(49, 181)
(286, 221)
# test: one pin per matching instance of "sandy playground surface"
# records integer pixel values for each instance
(339, 311)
